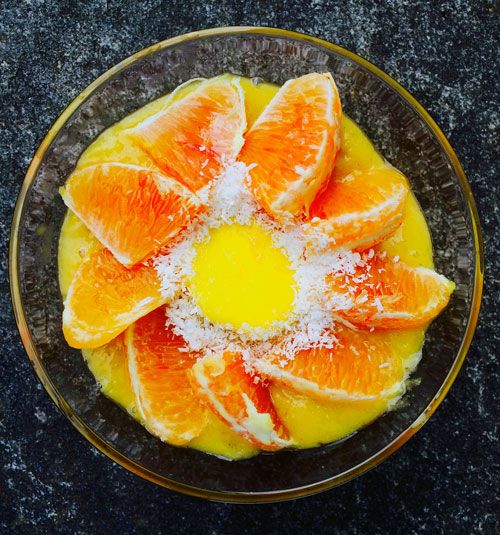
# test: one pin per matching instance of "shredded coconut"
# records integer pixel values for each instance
(312, 258)
(378, 304)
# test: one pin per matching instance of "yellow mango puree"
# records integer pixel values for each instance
(309, 421)
(241, 278)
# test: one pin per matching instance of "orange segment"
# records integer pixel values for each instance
(105, 298)
(293, 144)
(158, 373)
(386, 294)
(240, 399)
(360, 210)
(192, 138)
(360, 366)
(131, 210)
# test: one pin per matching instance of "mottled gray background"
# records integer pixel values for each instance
(443, 480)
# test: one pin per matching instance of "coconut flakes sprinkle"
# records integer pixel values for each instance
(311, 256)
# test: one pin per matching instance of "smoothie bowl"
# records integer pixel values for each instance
(246, 264)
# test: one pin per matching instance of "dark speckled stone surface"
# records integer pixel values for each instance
(446, 478)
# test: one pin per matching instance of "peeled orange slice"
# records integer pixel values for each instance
(104, 298)
(360, 366)
(239, 399)
(293, 144)
(360, 210)
(131, 210)
(192, 138)
(384, 293)
(158, 373)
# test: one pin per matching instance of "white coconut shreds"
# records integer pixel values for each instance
(228, 200)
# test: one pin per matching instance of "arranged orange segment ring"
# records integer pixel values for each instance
(386, 294)
(192, 138)
(361, 210)
(359, 366)
(240, 399)
(131, 210)
(293, 144)
(104, 298)
(158, 373)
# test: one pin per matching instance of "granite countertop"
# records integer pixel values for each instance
(446, 53)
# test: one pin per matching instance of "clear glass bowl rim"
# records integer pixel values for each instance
(115, 455)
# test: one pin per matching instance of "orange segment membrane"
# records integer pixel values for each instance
(241, 400)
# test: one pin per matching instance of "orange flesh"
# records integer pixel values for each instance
(105, 298)
(303, 120)
(133, 211)
(358, 367)
(158, 372)
(360, 210)
(309, 421)
(190, 139)
(393, 294)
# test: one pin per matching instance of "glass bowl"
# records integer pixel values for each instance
(405, 134)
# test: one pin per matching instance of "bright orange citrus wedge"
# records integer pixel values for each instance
(158, 373)
(359, 366)
(384, 293)
(293, 144)
(360, 210)
(240, 399)
(192, 138)
(131, 210)
(104, 298)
